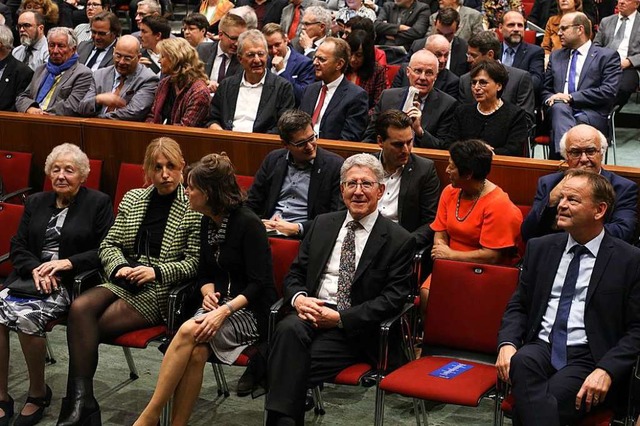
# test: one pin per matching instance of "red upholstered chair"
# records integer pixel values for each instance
(527, 6)
(392, 71)
(130, 176)
(10, 215)
(244, 182)
(463, 315)
(530, 35)
(15, 168)
(93, 180)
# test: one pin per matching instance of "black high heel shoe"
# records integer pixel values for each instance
(80, 409)
(36, 416)
(7, 407)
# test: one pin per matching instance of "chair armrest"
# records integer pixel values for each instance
(274, 313)
(84, 281)
(385, 327)
(177, 306)
(20, 192)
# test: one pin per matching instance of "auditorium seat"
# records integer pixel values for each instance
(15, 168)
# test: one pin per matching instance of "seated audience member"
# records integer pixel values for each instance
(583, 93)
(298, 182)
(338, 108)
(583, 147)
(214, 10)
(182, 97)
(220, 59)
(470, 19)
(366, 24)
(291, 17)
(551, 40)
(267, 11)
(401, 22)
(123, 91)
(627, 45)
(152, 246)
(495, 10)
(411, 184)
(337, 311)
(33, 50)
(58, 86)
(519, 87)
(194, 29)
(351, 9)
(518, 53)
(476, 221)
(248, 14)
(58, 237)
(49, 11)
(153, 29)
(431, 111)
(91, 8)
(286, 62)
(363, 69)
(235, 277)
(568, 339)
(447, 23)
(498, 122)
(253, 101)
(143, 9)
(316, 26)
(98, 53)
(15, 76)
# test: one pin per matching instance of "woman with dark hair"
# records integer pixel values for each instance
(236, 282)
(363, 69)
(499, 123)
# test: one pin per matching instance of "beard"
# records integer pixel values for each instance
(26, 41)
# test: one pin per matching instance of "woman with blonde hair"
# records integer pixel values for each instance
(182, 98)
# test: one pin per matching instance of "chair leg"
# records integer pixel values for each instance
(223, 380)
(165, 418)
(50, 358)
(133, 370)
(317, 401)
(379, 410)
(613, 137)
(425, 417)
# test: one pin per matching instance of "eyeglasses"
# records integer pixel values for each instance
(250, 55)
(122, 58)
(100, 33)
(93, 5)
(566, 27)
(419, 72)
(352, 185)
(24, 26)
(306, 24)
(303, 143)
(228, 36)
(577, 153)
(32, 6)
(480, 82)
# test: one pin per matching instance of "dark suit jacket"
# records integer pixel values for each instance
(207, 53)
(381, 283)
(273, 10)
(458, 63)
(346, 115)
(612, 306)
(606, 33)
(621, 222)
(84, 52)
(277, 97)
(530, 58)
(437, 116)
(89, 218)
(324, 189)
(391, 16)
(446, 81)
(299, 72)
(152, 65)
(15, 79)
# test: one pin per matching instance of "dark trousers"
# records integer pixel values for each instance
(628, 85)
(302, 356)
(544, 396)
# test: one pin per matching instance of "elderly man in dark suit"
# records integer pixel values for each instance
(581, 80)
(583, 147)
(621, 32)
(234, 105)
(353, 270)
(338, 108)
(98, 53)
(571, 332)
(14, 75)
(401, 22)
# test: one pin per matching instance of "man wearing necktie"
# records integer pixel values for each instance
(98, 52)
(33, 49)
(621, 33)
(352, 271)
(571, 332)
(581, 80)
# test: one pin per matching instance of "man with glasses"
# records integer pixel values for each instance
(33, 50)
(581, 80)
(316, 26)
(124, 90)
(518, 53)
(254, 100)
(583, 147)
(352, 272)
(298, 182)
(194, 29)
(98, 53)
(152, 30)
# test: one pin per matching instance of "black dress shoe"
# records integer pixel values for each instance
(7, 407)
(36, 416)
(246, 383)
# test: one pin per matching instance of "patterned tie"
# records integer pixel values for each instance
(28, 52)
(117, 91)
(347, 266)
(571, 87)
(558, 335)
(508, 57)
(617, 39)
(316, 112)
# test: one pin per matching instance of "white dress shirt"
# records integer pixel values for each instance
(247, 104)
(39, 54)
(284, 63)
(215, 69)
(583, 51)
(388, 204)
(623, 49)
(331, 89)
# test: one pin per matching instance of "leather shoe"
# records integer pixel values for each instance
(7, 407)
(246, 383)
(36, 416)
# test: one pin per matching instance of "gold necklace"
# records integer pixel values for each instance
(458, 218)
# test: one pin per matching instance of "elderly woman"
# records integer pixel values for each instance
(499, 123)
(551, 40)
(58, 238)
(152, 246)
(92, 8)
(354, 8)
(363, 70)
(236, 282)
(182, 98)
(476, 221)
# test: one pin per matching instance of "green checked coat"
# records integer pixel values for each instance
(179, 253)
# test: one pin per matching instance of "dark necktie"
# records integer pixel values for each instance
(617, 39)
(316, 112)
(347, 266)
(223, 65)
(571, 87)
(28, 52)
(92, 61)
(558, 336)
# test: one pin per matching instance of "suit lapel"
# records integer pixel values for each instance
(406, 182)
(548, 275)
(7, 76)
(324, 246)
(604, 255)
(317, 174)
(265, 97)
(586, 66)
(232, 100)
(336, 98)
(279, 172)
(63, 79)
(517, 59)
(375, 243)
(564, 56)
(173, 223)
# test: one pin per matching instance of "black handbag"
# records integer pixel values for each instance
(25, 289)
(125, 284)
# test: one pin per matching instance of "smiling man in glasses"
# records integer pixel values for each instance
(98, 53)
(583, 147)
(33, 50)
(296, 183)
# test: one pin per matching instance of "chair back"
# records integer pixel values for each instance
(10, 215)
(466, 304)
(392, 71)
(93, 180)
(244, 182)
(130, 176)
(15, 168)
(283, 252)
(521, 243)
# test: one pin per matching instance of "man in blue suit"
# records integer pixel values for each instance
(286, 62)
(583, 147)
(581, 80)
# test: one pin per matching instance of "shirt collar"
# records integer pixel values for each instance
(593, 246)
(367, 222)
(397, 172)
(631, 16)
(245, 83)
(290, 162)
(584, 49)
(335, 83)
(515, 48)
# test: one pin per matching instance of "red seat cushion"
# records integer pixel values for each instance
(467, 388)
(507, 404)
(242, 361)
(140, 338)
(352, 375)
(542, 140)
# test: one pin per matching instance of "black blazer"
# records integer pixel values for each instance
(458, 63)
(89, 218)
(84, 52)
(151, 65)
(324, 189)
(16, 78)
(446, 81)
(530, 58)
(207, 53)
(277, 97)
(612, 307)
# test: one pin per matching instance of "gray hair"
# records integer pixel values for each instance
(563, 143)
(322, 15)
(154, 6)
(362, 160)
(254, 36)
(248, 14)
(72, 39)
(6, 37)
(79, 158)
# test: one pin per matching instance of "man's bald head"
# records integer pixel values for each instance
(126, 54)
(423, 56)
(423, 71)
(440, 47)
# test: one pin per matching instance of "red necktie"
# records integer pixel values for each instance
(293, 29)
(316, 112)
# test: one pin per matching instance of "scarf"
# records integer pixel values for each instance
(52, 72)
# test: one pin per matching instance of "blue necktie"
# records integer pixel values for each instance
(572, 71)
(508, 57)
(558, 335)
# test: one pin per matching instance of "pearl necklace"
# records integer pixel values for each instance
(500, 103)
(458, 218)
